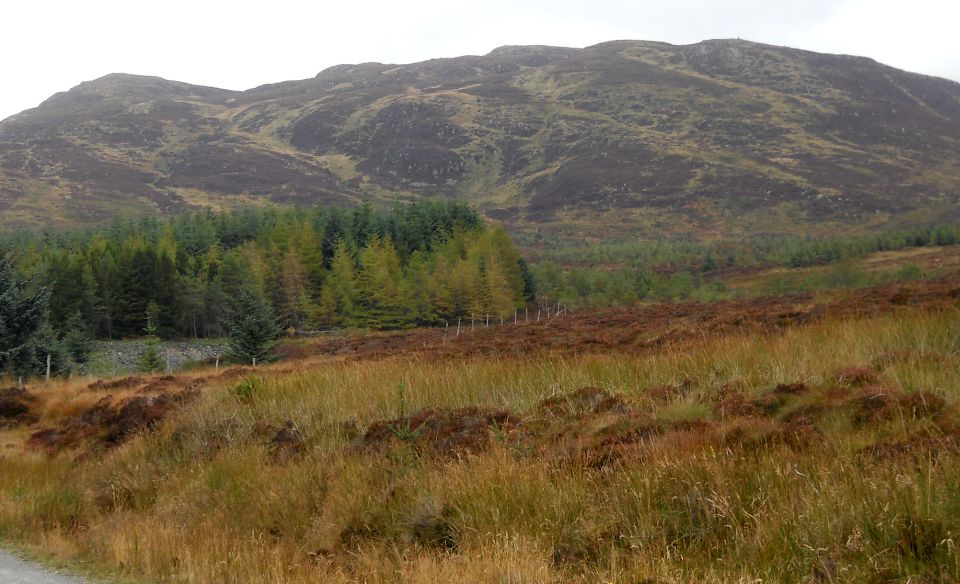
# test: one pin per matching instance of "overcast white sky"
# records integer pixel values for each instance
(52, 45)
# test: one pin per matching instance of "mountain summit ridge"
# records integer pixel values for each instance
(624, 138)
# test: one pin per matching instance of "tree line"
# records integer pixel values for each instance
(626, 272)
(414, 264)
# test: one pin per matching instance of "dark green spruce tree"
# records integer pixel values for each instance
(253, 328)
(76, 340)
(23, 322)
(150, 359)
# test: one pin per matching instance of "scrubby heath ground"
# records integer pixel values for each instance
(626, 139)
(795, 449)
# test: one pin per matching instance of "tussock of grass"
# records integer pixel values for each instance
(810, 486)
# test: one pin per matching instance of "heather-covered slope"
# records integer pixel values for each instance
(625, 138)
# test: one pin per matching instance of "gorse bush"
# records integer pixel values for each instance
(248, 388)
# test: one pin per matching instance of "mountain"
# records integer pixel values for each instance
(619, 140)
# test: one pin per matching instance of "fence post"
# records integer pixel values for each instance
(446, 329)
(538, 315)
(48, 367)
(254, 361)
(216, 366)
(458, 326)
(488, 320)
(515, 311)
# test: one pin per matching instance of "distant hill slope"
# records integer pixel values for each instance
(622, 139)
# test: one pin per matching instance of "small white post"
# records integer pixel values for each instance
(48, 367)
(254, 361)
(538, 315)
(515, 311)
(216, 365)
(488, 319)
(446, 329)
(526, 312)
(458, 326)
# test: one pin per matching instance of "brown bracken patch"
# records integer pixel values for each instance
(236, 372)
(116, 384)
(287, 443)
(16, 407)
(878, 404)
(858, 376)
(668, 392)
(438, 432)
(158, 384)
(733, 404)
(791, 388)
(108, 422)
(586, 400)
(911, 447)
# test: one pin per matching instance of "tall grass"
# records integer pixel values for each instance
(203, 500)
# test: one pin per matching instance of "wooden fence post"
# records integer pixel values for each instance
(48, 367)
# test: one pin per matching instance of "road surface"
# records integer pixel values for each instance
(13, 570)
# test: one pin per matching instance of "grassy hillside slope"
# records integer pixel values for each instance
(779, 439)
